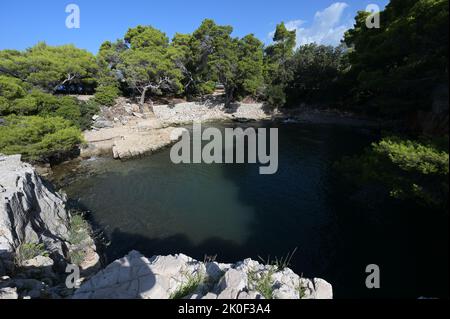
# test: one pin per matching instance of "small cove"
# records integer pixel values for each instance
(156, 207)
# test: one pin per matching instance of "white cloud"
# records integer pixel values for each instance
(295, 24)
(326, 28)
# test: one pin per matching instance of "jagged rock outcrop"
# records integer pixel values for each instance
(161, 277)
(37, 236)
(29, 211)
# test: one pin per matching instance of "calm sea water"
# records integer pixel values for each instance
(231, 211)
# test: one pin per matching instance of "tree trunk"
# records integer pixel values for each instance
(142, 100)
(151, 106)
(228, 97)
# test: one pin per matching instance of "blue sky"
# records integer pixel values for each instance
(23, 23)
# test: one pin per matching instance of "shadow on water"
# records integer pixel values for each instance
(304, 205)
(179, 243)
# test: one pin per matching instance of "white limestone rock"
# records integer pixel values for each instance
(32, 213)
(188, 112)
(29, 211)
(8, 293)
(232, 283)
(161, 277)
(250, 295)
(323, 289)
(38, 261)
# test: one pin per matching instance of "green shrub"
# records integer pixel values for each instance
(77, 256)
(38, 138)
(275, 95)
(88, 109)
(191, 285)
(47, 103)
(409, 169)
(4, 106)
(27, 251)
(106, 95)
(69, 109)
(262, 282)
(11, 88)
(78, 112)
(39, 103)
(79, 230)
(205, 88)
(24, 106)
(44, 104)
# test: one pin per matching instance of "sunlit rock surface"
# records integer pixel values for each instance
(161, 277)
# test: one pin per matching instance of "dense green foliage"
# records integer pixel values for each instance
(146, 63)
(391, 71)
(106, 95)
(309, 74)
(108, 58)
(218, 58)
(315, 75)
(395, 68)
(39, 103)
(147, 66)
(38, 124)
(277, 65)
(408, 169)
(11, 88)
(38, 138)
(60, 68)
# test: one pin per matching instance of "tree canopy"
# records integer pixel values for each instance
(62, 68)
(396, 67)
(392, 71)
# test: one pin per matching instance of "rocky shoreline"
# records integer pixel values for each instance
(39, 237)
(123, 132)
(189, 112)
(181, 277)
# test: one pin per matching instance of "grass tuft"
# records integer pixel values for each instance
(27, 251)
(79, 230)
(280, 263)
(264, 283)
(79, 233)
(193, 282)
